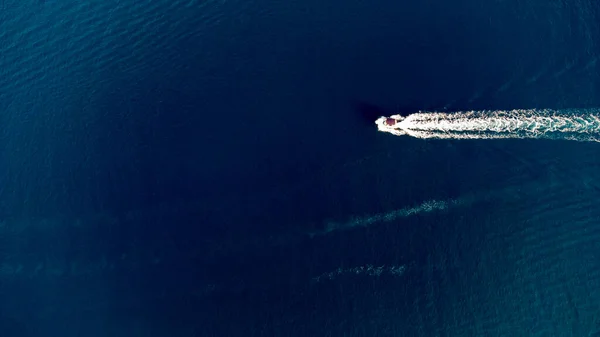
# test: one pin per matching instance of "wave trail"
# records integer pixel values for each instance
(570, 124)
(367, 220)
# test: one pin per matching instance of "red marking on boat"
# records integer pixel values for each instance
(390, 121)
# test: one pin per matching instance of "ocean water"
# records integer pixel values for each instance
(205, 168)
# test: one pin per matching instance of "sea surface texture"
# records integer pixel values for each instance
(213, 168)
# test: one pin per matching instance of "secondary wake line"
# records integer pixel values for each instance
(367, 220)
(570, 124)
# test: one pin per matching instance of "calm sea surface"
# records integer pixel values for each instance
(206, 168)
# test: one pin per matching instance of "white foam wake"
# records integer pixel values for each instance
(573, 124)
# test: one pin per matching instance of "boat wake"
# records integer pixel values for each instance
(570, 124)
(368, 220)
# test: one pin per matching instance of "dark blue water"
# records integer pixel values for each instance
(205, 168)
